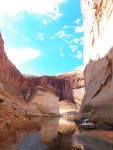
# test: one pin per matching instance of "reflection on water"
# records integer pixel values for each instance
(56, 134)
(49, 130)
(28, 141)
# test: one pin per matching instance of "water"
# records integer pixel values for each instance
(56, 134)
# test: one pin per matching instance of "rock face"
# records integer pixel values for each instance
(32, 95)
(98, 50)
(28, 88)
(66, 86)
(21, 92)
(66, 107)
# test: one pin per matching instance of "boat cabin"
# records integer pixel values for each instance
(86, 123)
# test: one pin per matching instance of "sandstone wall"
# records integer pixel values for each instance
(23, 94)
(64, 86)
(98, 51)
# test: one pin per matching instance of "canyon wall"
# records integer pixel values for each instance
(68, 85)
(98, 52)
(41, 94)
(22, 93)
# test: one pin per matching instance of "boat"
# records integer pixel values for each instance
(86, 124)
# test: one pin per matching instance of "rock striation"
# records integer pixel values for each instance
(66, 85)
(98, 51)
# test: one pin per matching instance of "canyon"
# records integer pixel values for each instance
(28, 95)
(22, 96)
(43, 92)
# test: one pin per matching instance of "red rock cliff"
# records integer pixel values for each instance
(62, 85)
(98, 51)
(65, 86)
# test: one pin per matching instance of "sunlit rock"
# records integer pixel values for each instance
(98, 51)
(67, 107)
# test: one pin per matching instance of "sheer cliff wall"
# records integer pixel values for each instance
(98, 56)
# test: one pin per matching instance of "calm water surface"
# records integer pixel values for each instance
(56, 134)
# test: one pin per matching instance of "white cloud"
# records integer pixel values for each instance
(81, 40)
(27, 39)
(40, 36)
(19, 56)
(77, 20)
(71, 55)
(79, 55)
(80, 67)
(49, 7)
(73, 48)
(62, 54)
(52, 37)
(61, 34)
(69, 35)
(65, 27)
(44, 22)
(76, 40)
(79, 28)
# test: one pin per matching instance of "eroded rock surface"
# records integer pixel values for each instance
(98, 50)
(66, 86)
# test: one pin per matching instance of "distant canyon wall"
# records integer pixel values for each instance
(98, 52)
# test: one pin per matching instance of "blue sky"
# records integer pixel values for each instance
(43, 37)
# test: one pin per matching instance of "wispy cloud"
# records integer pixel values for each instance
(52, 37)
(21, 55)
(69, 35)
(27, 39)
(81, 40)
(79, 28)
(61, 52)
(40, 36)
(49, 8)
(65, 27)
(77, 20)
(79, 55)
(44, 22)
(73, 48)
(76, 40)
(61, 34)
